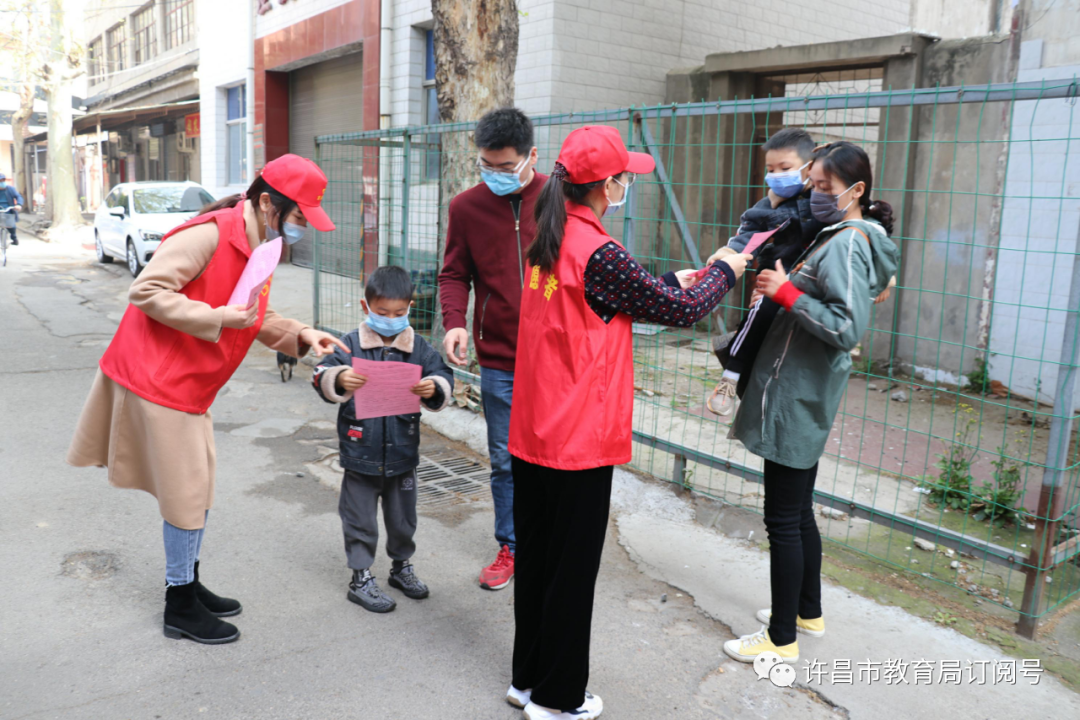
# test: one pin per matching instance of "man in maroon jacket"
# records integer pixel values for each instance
(489, 227)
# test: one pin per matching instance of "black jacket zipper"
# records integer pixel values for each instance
(483, 312)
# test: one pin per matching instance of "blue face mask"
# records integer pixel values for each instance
(786, 184)
(388, 327)
(293, 233)
(503, 183)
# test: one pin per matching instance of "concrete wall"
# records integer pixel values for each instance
(1039, 235)
(949, 213)
(223, 64)
(964, 19)
(1057, 24)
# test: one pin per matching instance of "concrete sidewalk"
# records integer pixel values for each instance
(80, 628)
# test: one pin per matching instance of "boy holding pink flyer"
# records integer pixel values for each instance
(379, 386)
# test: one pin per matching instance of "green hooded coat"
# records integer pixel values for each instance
(801, 371)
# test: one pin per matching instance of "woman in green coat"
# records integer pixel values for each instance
(798, 380)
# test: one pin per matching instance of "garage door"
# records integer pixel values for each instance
(324, 98)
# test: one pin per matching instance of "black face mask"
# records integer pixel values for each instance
(825, 206)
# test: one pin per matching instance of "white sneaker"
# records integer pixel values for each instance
(589, 710)
(518, 698)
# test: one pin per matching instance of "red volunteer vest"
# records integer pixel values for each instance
(174, 369)
(573, 399)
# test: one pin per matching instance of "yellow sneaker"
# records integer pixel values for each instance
(748, 647)
(813, 628)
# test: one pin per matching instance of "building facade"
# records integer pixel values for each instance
(142, 65)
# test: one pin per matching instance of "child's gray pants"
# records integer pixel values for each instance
(358, 507)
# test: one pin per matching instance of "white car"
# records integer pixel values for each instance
(135, 216)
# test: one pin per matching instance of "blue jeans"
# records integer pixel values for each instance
(497, 389)
(181, 552)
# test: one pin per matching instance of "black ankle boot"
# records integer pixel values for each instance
(222, 607)
(185, 616)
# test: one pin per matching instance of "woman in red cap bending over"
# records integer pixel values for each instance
(148, 414)
(570, 421)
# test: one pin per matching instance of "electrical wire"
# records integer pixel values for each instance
(1038, 19)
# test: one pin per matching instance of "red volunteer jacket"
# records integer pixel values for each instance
(574, 384)
(172, 368)
(481, 252)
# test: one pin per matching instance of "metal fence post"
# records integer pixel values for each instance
(1048, 516)
(628, 222)
(316, 311)
(678, 470)
(405, 193)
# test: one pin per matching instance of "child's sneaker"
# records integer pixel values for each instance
(748, 647)
(813, 628)
(404, 579)
(364, 590)
(724, 398)
(518, 698)
(589, 710)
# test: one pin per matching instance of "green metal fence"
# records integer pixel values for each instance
(957, 426)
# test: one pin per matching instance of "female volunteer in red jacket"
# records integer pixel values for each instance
(148, 414)
(573, 400)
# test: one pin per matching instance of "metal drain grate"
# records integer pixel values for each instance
(445, 478)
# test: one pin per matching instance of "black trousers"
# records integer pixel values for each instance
(751, 334)
(560, 519)
(794, 548)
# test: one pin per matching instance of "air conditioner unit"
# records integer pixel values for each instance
(185, 144)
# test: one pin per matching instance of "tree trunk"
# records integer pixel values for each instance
(62, 207)
(476, 46)
(19, 120)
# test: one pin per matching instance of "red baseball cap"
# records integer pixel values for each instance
(597, 152)
(300, 179)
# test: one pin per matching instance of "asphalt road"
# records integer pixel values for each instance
(82, 565)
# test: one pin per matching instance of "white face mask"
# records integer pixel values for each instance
(613, 207)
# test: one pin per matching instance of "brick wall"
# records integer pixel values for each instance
(611, 53)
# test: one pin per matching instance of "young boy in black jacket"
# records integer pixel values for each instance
(380, 454)
(788, 154)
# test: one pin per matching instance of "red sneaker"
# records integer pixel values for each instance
(498, 574)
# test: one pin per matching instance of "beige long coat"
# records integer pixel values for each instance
(168, 453)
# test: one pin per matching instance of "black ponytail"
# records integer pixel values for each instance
(880, 211)
(851, 164)
(550, 214)
(282, 204)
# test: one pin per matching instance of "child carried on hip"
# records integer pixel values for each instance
(787, 210)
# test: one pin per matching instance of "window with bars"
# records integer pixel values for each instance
(116, 39)
(236, 133)
(143, 34)
(179, 22)
(94, 58)
(430, 108)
